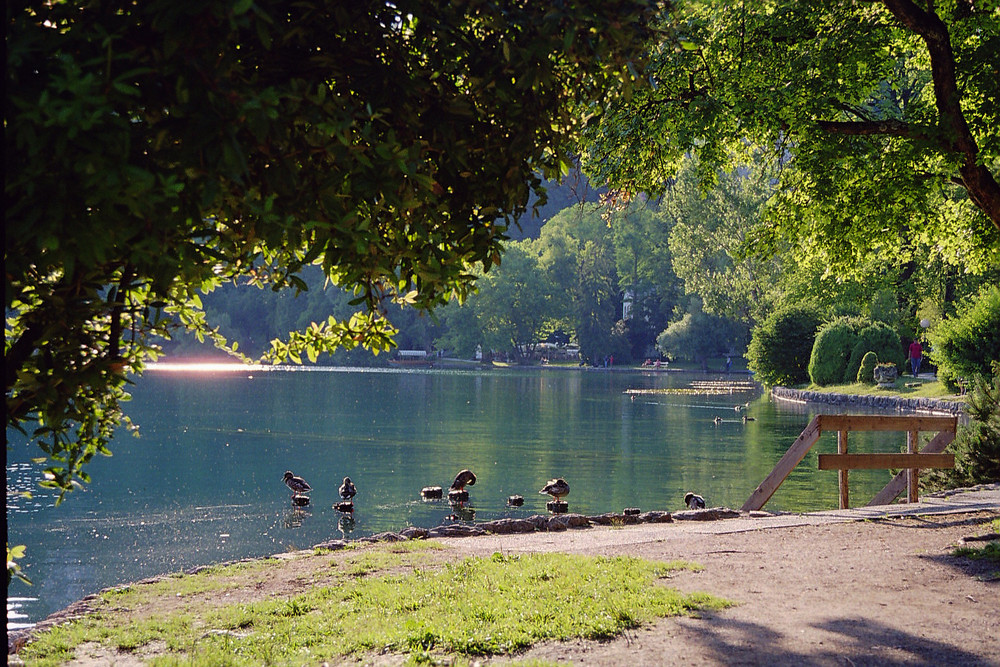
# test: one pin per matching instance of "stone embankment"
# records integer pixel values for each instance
(538, 522)
(874, 401)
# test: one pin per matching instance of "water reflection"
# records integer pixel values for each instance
(295, 517)
(346, 526)
(204, 482)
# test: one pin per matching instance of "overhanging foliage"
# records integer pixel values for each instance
(154, 150)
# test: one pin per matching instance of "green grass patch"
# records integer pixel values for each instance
(990, 552)
(476, 607)
(925, 388)
(215, 579)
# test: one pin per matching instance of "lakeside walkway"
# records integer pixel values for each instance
(983, 498)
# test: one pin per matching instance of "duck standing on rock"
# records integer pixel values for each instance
(557, 488)
(296, 484)
(463, 478)
(694, 501)
(457, 493)
(347, 489)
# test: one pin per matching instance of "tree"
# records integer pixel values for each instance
(968, 344)
(878, 119)
(512, 306)
(707, 238)
(781, 344)
(699, 336)
(157, 149)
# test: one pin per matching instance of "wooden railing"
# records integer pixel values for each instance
(929, 457)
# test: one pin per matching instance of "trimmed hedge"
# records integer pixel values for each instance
(832, 350)
(779, 348)
(881, 339)
(866, 371)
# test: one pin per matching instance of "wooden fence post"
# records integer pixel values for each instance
(912, 474)
(845, 502)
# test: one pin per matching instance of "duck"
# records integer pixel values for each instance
(717, 420)
(347, 489)
(557, 488)
(296, 484)
(694, 501)
(747, 418)
(462, 478)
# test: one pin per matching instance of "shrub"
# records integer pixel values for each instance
(832, 350)
(977, 444)
(881, 339)
(964, 346)
(780, 345)
(866, 372)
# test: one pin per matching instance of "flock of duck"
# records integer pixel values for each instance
(557, 488)
(739, 408)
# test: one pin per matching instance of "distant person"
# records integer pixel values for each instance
(916, 352)
(729, 363)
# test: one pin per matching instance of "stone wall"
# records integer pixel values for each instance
(873, 401)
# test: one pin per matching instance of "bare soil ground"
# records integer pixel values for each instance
(876, 592)
(884, 592)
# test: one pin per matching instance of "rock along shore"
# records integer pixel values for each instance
(887, 402)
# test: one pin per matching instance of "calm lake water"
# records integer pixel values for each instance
(203, 482)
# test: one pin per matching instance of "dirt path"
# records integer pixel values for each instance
(883, 592)
(818, 589)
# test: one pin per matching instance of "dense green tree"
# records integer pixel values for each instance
(153, 149)
(699, 336)
(596, 300)
(968, 344)
(513, 303)
(780, 346)
(707, 240)
(878, 119)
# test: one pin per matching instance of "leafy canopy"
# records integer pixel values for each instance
(155, 150)
(879, 121)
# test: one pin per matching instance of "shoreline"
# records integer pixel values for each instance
(930, 406)
(719, 545)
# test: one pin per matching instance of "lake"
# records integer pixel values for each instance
(203, 482)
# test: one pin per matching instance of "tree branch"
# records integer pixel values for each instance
(894, 128)
(977, 179)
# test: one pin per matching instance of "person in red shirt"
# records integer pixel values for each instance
(916, 350)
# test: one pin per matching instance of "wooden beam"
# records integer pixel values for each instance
(884, 461)
(895, 487)
(792, 457)
(845, 501)
(886, 423)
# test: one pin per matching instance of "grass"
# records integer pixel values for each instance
(989, 552)
(926, 388)
(390, 599)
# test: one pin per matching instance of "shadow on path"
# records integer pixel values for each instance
(850, 641)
